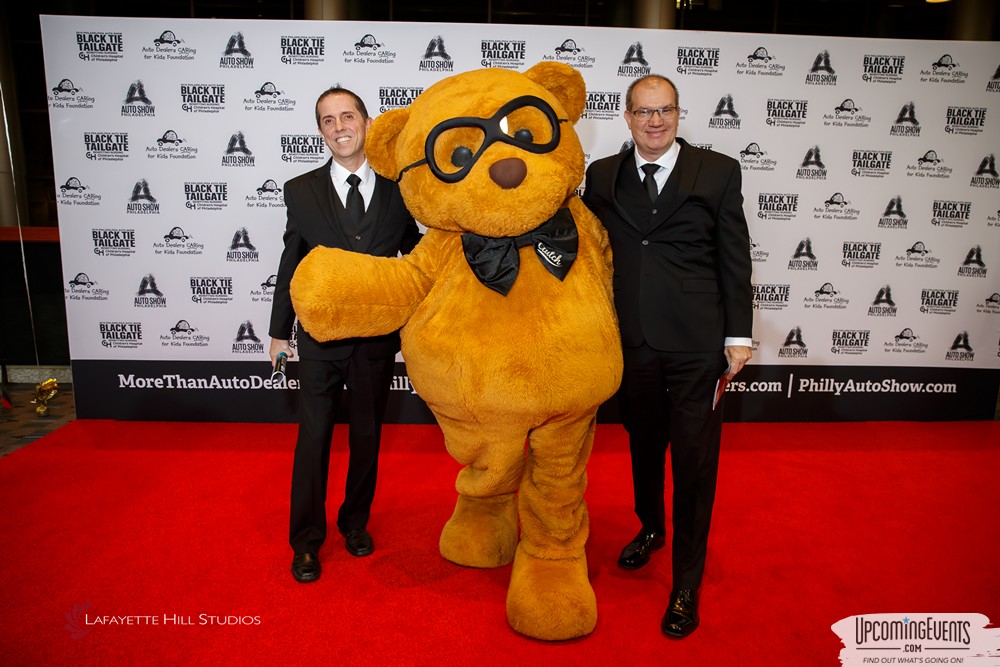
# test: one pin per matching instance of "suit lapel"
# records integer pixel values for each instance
(616, 167)
(329, 205)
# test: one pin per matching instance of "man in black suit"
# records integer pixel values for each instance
(343, 204)
(674, 214)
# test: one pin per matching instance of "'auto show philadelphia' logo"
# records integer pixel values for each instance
(68, 95)
(74, 193)
(786, 112)
(961, 349)
(943, 70)
(993, 85)
(698, 60)
(905, 342)
(803, 259)
(826, 297)
(236, 54)
(177, 242)
(771, 296)
(142, 201)
(969, 121)
(883, 305)
(241, 249)
(238, 154)
(299, 148)
(603, 105)
(821, 73)
(894, 217)
(171, 146)
(812, 167)
(436, 58)
(113, 242)
(906, 124)
(83, 288)
(847, 114)
(866, 163)
(950, 213)
(503, 53)
(793, 347)
(246, 341)
(121, 335)
(105, 146)
(882, 68)
(149, 295)
(136, 103)
(753, 158)
(938, 301)
(303, 49)
(861, 254)
(986, 175)
(973, 265)
(100, 46)
(571, 53)
(634, 64)
(759, 63)
(184, 334)
(724, 117)
(777, 205)
(269, 98)
(850, 341)
(203, 97)
(211, 289)
(397, 96)
(928, 165)
(168, 47)
(206, 196)
(369, 50)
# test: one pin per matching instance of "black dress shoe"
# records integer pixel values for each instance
(359, 543)
(636, 553)
(681, 618)
(305, 567)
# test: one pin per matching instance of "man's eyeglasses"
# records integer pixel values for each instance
(644, 114)
(454, 145)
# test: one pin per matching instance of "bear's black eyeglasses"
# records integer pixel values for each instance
(492, 133)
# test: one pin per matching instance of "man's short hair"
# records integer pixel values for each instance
(337, 90)
(631, 87)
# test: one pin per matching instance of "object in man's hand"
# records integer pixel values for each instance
(45, 392)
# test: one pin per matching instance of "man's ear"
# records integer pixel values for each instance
(380, 142)
(565, 83)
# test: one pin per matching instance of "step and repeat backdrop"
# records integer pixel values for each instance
(870, 183)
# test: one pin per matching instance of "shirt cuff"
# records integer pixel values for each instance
(745, 342)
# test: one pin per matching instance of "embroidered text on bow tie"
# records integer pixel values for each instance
(495, 261)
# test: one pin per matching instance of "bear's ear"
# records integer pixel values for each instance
(380, 142)
(565, 83)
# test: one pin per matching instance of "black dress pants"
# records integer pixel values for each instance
(666, 402)
(320, 389)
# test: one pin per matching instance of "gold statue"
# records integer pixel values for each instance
(44, 393)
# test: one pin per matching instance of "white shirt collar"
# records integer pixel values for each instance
(666, 161)
(339, 174)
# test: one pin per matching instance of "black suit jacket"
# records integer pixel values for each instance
(315, 218)
(681, 282)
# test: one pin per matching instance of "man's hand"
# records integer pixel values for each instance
(278, 345)
(737, 355)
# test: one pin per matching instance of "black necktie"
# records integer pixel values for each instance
(649, 182)
(355, 204)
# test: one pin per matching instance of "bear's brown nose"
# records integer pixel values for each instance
(509, 172)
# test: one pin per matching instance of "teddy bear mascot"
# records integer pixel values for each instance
(507, 318)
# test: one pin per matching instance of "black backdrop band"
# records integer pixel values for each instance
(240, 391)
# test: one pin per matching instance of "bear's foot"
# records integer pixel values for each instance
(482, 532)
(551, 599)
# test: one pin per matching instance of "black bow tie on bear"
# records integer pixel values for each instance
(495, 260)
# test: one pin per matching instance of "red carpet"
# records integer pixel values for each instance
(813, 523)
